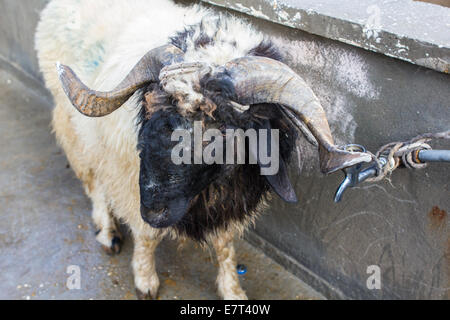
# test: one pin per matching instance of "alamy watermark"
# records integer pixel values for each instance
(374, 280)
(74, 280)
(263, 147)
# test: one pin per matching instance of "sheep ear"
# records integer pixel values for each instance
(279, 182)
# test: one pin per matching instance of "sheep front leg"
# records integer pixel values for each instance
(107, 232)
(145, 277)
(228, 284)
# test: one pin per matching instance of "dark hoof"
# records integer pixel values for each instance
(116, 244)
(144, 296)
(115, 247)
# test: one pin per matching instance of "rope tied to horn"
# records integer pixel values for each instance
(405, 153)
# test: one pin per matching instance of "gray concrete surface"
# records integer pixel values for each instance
(413, 31)
(46, 226)
(370, 99)
(18, 21)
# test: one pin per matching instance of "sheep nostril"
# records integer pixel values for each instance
(162, 211)
(152, 216)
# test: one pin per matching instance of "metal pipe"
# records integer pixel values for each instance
(371, 171)
(434, 155)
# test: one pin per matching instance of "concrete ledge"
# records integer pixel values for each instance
(405, 29)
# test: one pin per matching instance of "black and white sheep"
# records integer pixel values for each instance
(160, 67)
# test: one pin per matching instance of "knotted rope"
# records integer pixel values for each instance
(404, 152)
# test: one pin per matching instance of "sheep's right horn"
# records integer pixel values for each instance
(255, 80)
(98, 104)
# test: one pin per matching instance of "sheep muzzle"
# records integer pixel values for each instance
(166, 216)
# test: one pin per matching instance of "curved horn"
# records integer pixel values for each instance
(98, 104)
(262, 80)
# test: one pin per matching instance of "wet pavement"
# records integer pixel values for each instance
(45, 225)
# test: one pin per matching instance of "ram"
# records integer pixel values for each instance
(125, 75)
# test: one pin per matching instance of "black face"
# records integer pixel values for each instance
(170, 193)
(167, 189)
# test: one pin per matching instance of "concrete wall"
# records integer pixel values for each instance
(18, 20)
(371, 99)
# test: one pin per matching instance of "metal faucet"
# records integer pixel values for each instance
(355, 175)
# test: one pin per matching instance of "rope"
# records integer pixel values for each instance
(405, 152)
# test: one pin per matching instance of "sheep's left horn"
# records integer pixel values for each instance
(256, 80)
(98, 104)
